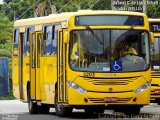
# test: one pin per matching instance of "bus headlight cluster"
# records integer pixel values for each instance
(77, 87)
(142, 87)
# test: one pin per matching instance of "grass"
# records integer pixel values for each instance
(9, 97)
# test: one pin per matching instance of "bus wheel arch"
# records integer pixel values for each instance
(32, 107)
(61, 110)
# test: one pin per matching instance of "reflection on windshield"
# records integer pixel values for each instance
(109, 50)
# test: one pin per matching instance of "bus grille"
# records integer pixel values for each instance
(101, 100)
(155, 85)
(112, 81)
(153, 94)
(155, 74)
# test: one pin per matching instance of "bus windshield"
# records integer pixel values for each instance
(109, 50)
(155, 54)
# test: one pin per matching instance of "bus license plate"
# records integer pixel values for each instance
(110, 99)
(157, 91)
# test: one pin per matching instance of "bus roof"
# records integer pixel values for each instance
(154, 20)
(57, 18)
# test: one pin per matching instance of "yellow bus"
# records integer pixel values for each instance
(155, 60)
(84, 60)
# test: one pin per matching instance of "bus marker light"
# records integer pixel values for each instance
(157, 91)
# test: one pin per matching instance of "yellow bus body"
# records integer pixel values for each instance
(155, 85)
(47, 75)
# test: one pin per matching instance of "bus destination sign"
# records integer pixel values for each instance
(155, 27)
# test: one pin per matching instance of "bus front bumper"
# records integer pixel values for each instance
(99, 98)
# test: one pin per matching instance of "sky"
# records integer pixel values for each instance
(1, 1)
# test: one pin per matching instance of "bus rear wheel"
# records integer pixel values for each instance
(33, 107)
(61, 110)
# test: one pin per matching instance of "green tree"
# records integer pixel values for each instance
(102, 5)
(5, 29)
(14, 8)
(153, 10)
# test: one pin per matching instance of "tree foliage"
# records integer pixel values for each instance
(153, 11)
(15, 8)
(5, 29)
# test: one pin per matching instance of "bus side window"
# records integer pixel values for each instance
(54, 42)
(16, 37)
(47, 40)
(15, 46)
(27, 41)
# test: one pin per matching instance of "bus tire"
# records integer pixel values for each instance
(61, 110)
(33, 108)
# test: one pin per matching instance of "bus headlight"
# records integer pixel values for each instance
(142, 87)
(76, 87)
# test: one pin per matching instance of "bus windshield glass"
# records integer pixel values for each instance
(155, 54)
(109, 50)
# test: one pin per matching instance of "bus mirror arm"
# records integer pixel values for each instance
(151, 38)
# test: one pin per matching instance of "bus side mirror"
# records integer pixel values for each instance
(66, 37)
(151, 38)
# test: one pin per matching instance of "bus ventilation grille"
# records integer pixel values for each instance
(112, 81)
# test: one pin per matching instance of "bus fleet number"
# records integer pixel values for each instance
(88, 74)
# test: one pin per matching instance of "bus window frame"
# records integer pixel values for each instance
(15, 41)
(27, 39)
(75, 23)
(149, 53)
(55, 29)
(44, 38)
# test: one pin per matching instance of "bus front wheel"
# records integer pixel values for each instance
(60, 109)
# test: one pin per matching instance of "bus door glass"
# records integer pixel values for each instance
(61, 68)
(32, 64)
(21, 40)
(35, 42)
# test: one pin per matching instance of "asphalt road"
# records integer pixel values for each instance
(16, 110)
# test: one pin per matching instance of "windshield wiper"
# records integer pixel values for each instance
(95, 36)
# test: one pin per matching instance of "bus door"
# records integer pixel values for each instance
(35, 40)
(21, 40)
(61, 62)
